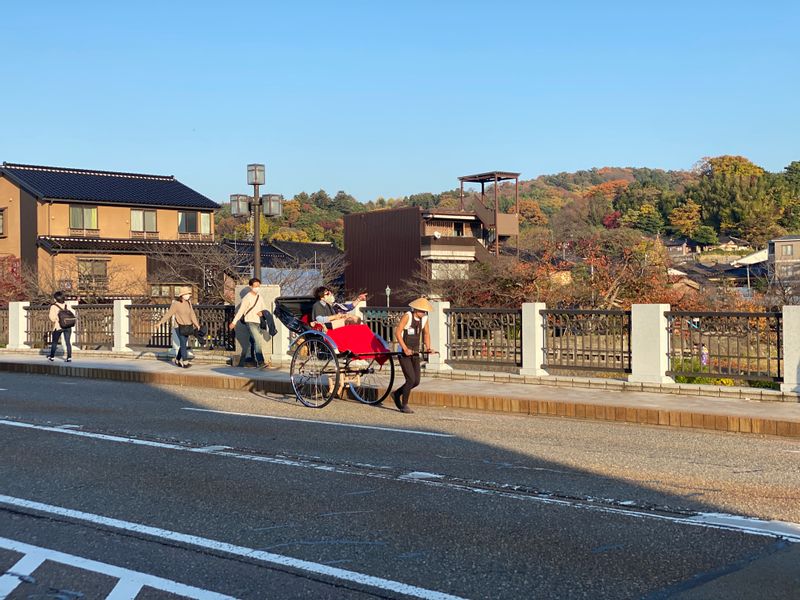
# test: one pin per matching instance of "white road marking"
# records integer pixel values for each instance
(129, 580)
(781, 529)
(209, 544)
(16, 574)
(332, 423)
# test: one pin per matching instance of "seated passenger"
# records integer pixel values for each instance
(330, 313)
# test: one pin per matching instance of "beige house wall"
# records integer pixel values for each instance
(20, 225)
(127, 273)
(112, 221)
(9, 202)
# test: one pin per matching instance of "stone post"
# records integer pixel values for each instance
(532, 339)
(791, 349)
(649, 344)
(121, 326)
(74, 340)
(437, 322)
(17, 325)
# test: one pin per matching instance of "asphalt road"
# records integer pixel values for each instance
(143, 490)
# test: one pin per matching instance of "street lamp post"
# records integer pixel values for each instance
(256, 176)
(388, 291)
(242, 205)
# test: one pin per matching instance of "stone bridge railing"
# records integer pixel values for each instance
(650, 344)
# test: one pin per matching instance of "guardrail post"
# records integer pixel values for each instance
(17, 325)
(649, 344)
(532, 339)
(438, 328)
(122, 321)
(791, 349)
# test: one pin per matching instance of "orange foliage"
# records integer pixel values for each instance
(607, 189)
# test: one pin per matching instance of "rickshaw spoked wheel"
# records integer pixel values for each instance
(368, 381)
(314, 373)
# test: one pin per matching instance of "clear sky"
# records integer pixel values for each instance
(391, 98)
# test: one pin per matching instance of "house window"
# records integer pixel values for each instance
(165, 290)
(187, 222)
(205, 223)
(3, 222)
(92, 274)
(787, 250)
(458, 229)
(82, 217)
(143, 220)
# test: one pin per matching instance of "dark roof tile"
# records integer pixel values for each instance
(106, 187)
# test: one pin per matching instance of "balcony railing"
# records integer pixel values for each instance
(587, 340)
(726, 345)
(144, 235)
(89, 233)
(195, 237)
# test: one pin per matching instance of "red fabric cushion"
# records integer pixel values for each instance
(359, 340)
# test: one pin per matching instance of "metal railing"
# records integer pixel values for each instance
(95, 326)
(383, 320)
(4, 326)
(39, 330)
(484, 338)
(726, 345)
(587, 340)
(214, 317)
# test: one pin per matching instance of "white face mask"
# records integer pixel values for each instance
(187, 296)
(328, 298)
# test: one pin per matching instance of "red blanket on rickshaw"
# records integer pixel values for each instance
(360, 340)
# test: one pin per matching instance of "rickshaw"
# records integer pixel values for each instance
(330, 362)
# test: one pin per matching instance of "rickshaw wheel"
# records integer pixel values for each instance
(368, 381)
(314, 373)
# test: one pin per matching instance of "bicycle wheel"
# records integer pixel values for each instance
(314, 373)
(368, 381)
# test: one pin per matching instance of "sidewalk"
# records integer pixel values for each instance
(675, 410)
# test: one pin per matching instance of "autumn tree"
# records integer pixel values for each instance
(685, 219)
(531, 214)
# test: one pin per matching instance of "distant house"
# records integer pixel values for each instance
(783, 258)
(91, 233)
(731, 244)
(677, 247)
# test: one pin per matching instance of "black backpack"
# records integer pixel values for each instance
(66, 318)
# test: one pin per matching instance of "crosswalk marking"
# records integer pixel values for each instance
(129, 585)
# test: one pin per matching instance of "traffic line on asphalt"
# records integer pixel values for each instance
(209, 544)
(129, 585)
(331, 423)
(775, 529)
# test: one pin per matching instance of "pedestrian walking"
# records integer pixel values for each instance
(186, 323)
(251, 309)
(63, 321)
(412, 332)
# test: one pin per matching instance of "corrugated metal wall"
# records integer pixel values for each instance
(382, 248)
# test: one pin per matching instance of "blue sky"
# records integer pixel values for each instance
(392, 98)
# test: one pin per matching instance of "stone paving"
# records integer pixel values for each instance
(733, 414)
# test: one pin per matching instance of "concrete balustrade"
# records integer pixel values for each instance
(649, 340)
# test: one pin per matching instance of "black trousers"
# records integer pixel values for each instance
(54, 345)
(411, 371)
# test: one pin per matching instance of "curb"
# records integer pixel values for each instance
(520, 406)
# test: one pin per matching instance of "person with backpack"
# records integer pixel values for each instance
(186, 323)
(411, 332)
(251, 311)
(63, 320)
